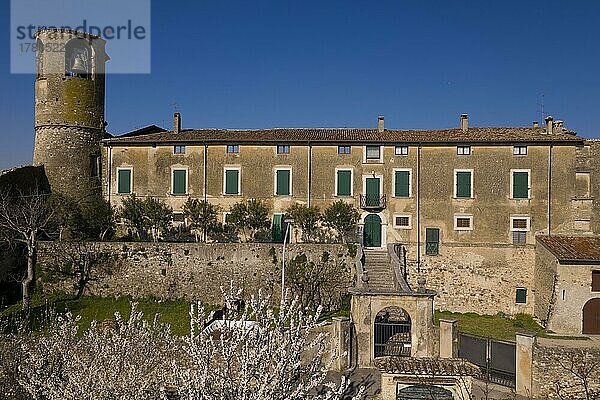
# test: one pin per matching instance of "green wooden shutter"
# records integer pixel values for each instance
(277, 229)
(463, 184)
(520, 185)
(283, 182)
(124, 181)
(344, 183)
(232, 181)
(179, 184)
(432, 241)
(402, 184)
(521, 297)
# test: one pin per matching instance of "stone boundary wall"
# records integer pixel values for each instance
(480, 279)
(186, 270)
(552, 360)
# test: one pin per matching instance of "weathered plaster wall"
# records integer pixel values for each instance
(481, 279)
(573, 290)
(551, 361)
(190, 270)
(545, 272)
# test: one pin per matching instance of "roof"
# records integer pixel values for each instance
(473, 135)
(426, 366)
(573, 249)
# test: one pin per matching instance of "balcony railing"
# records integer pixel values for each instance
(370, 202)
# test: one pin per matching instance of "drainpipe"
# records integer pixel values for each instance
(419, 209)
(309, 171)
(204, 170)
(109, 172)
(550, 188)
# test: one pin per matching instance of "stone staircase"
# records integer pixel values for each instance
(379, 270)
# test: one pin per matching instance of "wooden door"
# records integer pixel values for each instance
(591, 317)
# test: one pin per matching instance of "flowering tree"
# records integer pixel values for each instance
(255, 353)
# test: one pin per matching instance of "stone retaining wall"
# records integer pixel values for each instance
(186, 270)
(555, 364)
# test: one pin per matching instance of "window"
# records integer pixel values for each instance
(463, 222)
(463, 184)
(179, 182)
(401, 150)
(283, 182)
(463, 150)
(283, 149)
(520, 184)
(343, 182)
(519, 227)
(233, 148)
(94, 165)
(178, 217)
(521, 296)
(344, 149)
(124, 181)
(226, 216)
(595, 281)
(582, 184)
(231, 184)
(519, 237)
(432, 241)
(402, 182)
(520, 150)
(402, 221)
(179, 149)
(373, 153)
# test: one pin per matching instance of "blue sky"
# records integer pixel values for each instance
(241, 64)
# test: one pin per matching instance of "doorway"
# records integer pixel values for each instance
(372, 231)
(591, 317)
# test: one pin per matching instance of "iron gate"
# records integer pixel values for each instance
(495, 358)
(392, 332)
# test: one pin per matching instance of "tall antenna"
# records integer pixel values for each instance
(542, 115)
(175, 106)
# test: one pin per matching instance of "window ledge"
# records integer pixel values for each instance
(463, 198)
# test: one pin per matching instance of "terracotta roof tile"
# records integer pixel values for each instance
(573, 249)
(348, 135)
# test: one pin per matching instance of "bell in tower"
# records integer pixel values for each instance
(78, 62)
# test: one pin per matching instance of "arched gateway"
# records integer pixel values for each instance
(392, 332)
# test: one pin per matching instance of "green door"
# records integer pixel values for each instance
(372, 231)
(277, 230)
(372, 196)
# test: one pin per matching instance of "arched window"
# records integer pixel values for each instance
(78, 59)
(392, 332)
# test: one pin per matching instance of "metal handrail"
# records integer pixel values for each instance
(368, 201)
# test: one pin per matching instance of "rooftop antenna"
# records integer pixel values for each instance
(542, 114)
(175, 106)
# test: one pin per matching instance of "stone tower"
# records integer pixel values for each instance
(69, 110)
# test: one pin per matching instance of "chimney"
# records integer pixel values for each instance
(176, 122)
(464, 122)
(535, 124)
(549, 125)
(558, 126)
(380, 124)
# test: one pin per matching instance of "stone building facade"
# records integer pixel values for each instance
(466, 203)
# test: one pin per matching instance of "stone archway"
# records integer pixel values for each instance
(591, 317)
(392, 333)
